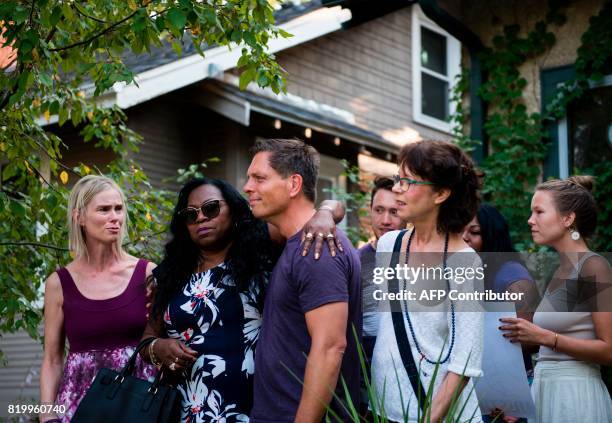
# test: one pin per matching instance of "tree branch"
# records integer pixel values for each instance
(76, 6)
(40, 175)
(51, 34)
(31, 13)
(44, 149)
(93, 37)
(33, 244)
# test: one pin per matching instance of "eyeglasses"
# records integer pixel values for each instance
(210, 210)
(404, 183)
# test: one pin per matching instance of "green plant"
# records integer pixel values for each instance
(56, 58)
(377, 404)
(354, 201)
(517, 138)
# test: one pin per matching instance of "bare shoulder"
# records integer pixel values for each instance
(150, 267)
(53, 288)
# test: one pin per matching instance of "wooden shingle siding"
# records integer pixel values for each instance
(365, 70)
(164, 123)
(19, 381)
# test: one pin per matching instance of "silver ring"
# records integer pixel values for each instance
(172, 366)
(176, 359)
(331, 236)
(320, 235)
(309, 235)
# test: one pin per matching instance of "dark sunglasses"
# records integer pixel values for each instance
(210, 210)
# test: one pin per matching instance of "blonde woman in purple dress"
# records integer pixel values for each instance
(97, 302)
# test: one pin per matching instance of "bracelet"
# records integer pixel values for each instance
(554, 348)
(326, 208)
(152, 356)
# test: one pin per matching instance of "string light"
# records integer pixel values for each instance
(277, 124)
(308, 133)
(336, 141)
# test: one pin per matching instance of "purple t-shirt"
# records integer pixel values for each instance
(297, 285)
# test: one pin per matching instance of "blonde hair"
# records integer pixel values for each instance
(573, 195)
(81, 195)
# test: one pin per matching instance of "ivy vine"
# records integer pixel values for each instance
(517, 138)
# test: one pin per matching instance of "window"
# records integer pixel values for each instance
(436, 62)
(585, 134)
(330, 180)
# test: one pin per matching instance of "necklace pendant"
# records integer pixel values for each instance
(421, 365)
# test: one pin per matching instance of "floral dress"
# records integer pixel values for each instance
(101, 334)
(222, 325)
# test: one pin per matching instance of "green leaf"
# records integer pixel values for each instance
(249, 38)
(20, 14)
(245, 77)
(46, 79)
(262, 79)
(284, 33)
(56, 14)
(177, 19)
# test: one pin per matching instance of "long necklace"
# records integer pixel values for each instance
(405, 307)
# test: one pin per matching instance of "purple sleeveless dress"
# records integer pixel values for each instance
(101, 333)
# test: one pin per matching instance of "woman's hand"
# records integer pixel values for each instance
(320, 228)
(525, 332)
(174, 354)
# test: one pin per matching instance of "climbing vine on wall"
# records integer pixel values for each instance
(517, 138)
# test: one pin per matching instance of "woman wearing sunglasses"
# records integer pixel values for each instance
(438, 342)
(207, 305)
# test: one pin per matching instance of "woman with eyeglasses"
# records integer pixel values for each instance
(427, 340)
(207, 305)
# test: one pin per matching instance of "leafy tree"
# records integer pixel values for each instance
(50, 51)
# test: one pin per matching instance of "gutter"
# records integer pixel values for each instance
(458, 30)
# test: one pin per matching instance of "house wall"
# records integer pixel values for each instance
(19, 382)
(365, 70)
(487, 19)
(178, 133)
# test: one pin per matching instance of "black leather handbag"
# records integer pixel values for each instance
(119, 397)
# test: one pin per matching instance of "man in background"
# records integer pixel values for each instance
(384, 218)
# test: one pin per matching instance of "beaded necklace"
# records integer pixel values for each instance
(405, 308)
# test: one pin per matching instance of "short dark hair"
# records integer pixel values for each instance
(381, 182)
(288, 157)
(447, 166)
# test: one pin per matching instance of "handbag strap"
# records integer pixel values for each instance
(401, 337)
(129, 366)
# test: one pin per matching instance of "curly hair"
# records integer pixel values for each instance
(251, 255)
(447, 166)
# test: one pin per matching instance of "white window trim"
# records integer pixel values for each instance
(563, 132)
(331, 170)
(453, 63)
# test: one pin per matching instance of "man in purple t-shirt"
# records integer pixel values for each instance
(307, 342)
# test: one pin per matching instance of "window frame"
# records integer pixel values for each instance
(563, 149)
(453, 65)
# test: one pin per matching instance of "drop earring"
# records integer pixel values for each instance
(575, 234)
